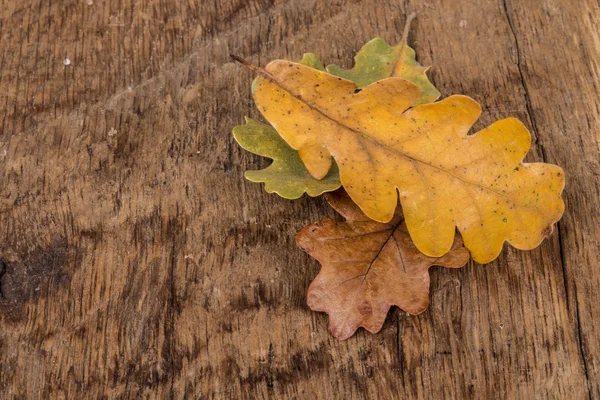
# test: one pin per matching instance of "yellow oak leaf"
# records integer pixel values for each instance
(445, 177)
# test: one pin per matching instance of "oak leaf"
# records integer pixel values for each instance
(377, 60)
(445, 177)
(286, 176)
(312, 60)
(367, 267)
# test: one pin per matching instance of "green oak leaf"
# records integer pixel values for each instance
(287, 176)
(312, 60)
(378, 60)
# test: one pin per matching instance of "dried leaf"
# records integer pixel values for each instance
(446, 178)
(367, 267)
(286, 176)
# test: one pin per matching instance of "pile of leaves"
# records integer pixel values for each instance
(378, 131)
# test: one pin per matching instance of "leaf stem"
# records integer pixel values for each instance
(256, 70)
(409, 20)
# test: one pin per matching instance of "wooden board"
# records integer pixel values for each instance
(136, 262)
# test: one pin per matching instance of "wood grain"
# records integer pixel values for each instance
(136, 262)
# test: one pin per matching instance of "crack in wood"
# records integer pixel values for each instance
(561, 251)
(2, 272)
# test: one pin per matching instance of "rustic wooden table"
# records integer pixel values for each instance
(135, 260)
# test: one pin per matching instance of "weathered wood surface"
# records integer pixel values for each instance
(137, 262)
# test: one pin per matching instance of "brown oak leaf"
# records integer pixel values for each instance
(367, 267)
